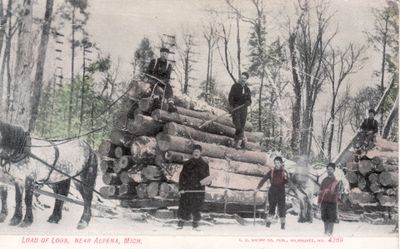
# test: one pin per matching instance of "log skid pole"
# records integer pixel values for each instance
(167, 142)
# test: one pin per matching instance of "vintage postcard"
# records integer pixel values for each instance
(199, 123)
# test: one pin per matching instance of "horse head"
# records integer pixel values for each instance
(14, 143)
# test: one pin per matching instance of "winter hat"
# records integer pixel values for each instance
(371, 111)
(197, 147)
(246, 74)
(278, 158)
(332, 165)
(163, 49)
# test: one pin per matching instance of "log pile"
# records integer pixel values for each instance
(143, 157)
(374, 179)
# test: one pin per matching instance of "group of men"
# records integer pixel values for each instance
(195, 174)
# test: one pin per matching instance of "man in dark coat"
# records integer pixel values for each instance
(161, 69)
(327, 199)
(239, 95)
(368, 130)
(195, 175)
(276, 193)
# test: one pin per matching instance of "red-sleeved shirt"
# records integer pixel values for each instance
(278, 178)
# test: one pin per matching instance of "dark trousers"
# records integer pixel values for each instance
(190, 204)
(239, 120)
(276, 198)
(168, 93)
(328, 212)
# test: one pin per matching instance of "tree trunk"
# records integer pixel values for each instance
(167, 142)
(260, 107)
(38, 82)
(332, 132)
(71, 94)
(188, 132)
(392, 116)
(3, 25)
(214, 128)
(20, 111)
(143, 150)
(221, 164)
(296, 110)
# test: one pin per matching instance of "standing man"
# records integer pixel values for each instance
(195, 175)
(239, 95)
(161, 69)
(276, 193)
(369, 127)
(327, 199)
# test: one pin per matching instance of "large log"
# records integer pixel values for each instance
(175, 129)
(375, 187)
(391, 191)
(214, 128)
(385, 200)
(389, 179)
(373, 178)
(131, 176)
(352, 166)
(386, 167)
(356, 196)
(168, 190)
(107, 149)
(127, 190)
(179, 144)
(365, 167)
(220, 178)
(221, 164)
(352, 177)
(108, 191)
(111, 179)
(143, 126)
(139, 89)
(141, 190)
(362, 183)
(107, 165)
(152, 173)
(121, 151)
(143, 150)
(153, 189)
(123, 164)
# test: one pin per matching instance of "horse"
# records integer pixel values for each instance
(36, 162)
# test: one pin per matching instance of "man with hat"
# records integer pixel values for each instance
(239, 97)
(369, 128)
(327, 199)
(195, 175)
(276, 193)
(161, 69)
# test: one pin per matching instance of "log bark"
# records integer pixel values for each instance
(107, 149)
(386, 167)
(121, 138)
(356, 196)
(365, 167)
(375, 187)
(143, 126)
(108, 191)
(389, 179)
(152, 173)
(220, 178)
(167, 142)
(125, 162)
(143, 150)
(169, 191)
(111, 179)
(214, 128)
(391, 192)
(352, 177)
(106, 166)
(129, 176)
(387, 201)
(153, 189)
(175, 129)
(221, 164)
(121, 151)
(127, 190)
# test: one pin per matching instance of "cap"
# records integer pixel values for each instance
(163, 49)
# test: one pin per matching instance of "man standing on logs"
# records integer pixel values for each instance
(276, 193)
(161, 70)
(368, 130)
(239, 100)
(327, 199)
(195, 175)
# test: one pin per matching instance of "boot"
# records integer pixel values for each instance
(268, 224)
(196, 226)
(238, 144)
(180, 224)
(329, 229)
(282, 219)
(171, 107)
(326, 227)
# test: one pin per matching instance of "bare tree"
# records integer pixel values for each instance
(211, 36)
(338, 65)
(186, 53)
(42, 50)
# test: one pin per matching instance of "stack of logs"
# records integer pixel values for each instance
(142, 160)
(374, 180)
